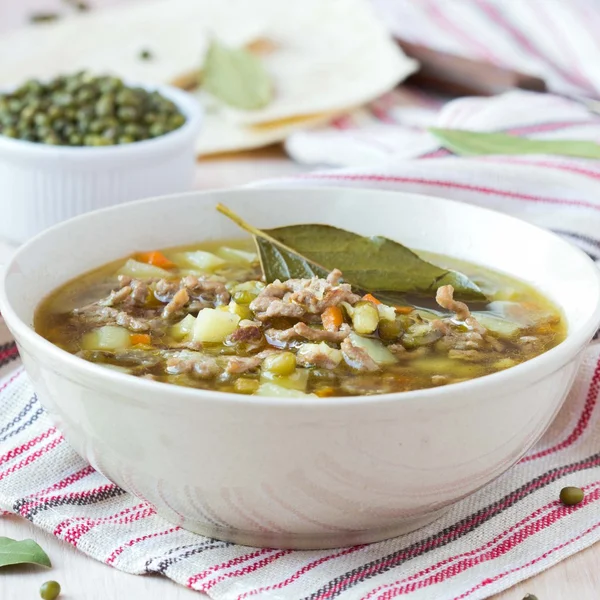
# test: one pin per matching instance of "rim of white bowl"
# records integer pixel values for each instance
(190, 107)
(562, 353)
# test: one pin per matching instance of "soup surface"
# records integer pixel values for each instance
(201, 317)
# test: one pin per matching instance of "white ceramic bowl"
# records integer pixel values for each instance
(43, 185)
(303, 473)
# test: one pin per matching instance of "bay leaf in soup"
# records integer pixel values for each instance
(477, 143)
(236, 77)
(370, 264)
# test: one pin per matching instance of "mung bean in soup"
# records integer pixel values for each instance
(202, 317)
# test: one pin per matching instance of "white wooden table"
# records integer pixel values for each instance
(85, 579)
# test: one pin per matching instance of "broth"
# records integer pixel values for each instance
(199, 316)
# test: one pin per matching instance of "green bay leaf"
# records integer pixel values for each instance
(13, 552)
(236, 77)
(477, 143)
(370, 264)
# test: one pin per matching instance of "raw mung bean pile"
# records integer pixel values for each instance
(86, 110)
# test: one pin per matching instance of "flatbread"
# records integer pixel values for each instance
(328, 55)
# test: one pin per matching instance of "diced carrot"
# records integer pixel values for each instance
(404, 310)
(140, 338)
(325, 392)
(156, 258)
(371, 298)
(332, 318)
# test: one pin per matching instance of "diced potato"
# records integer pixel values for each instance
(241, 310)
(199, 259)
(140, 270)
(333, 353)
(280, 363)
(504, 363)
(441, 365)
(497, 325)
(374, 348)
(235, 256)
(298, 380)
(386, 312)
(254, 287)
(108, 337)
(276, 391)
(183, 329)
(243, 385)
(214, 325)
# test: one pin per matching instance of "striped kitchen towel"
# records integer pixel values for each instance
(508, 531)
(554, 39)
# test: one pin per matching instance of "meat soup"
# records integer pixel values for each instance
(202, 316)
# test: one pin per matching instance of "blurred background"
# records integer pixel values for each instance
(354, 82)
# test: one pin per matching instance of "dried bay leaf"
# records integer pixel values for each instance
(369, 264)
(236, 77)
(477, 143)
(13, 552)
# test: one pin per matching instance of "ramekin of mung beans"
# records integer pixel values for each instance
(81, 142)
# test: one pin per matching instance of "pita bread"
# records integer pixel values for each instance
(326, 56)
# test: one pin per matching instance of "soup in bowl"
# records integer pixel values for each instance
(304, 412)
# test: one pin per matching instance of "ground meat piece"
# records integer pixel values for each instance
(495, 343)
(133, 323)
(334, 277)
(357, 358)
(440, 379)
(397, 349)
(468, 340)
(243, 364)
(530, 343)
(268, 308)
(139, 292)
(195, 363)
(302, 330)
(475, 325)
(445, 298)
(247, 332)
(441, 325)
(302, 298)
(165, 289)
(208, 290)
(116, 296)
(468, 355)
(318, 355)
(204, 292)
(189, 344)
(97, 315)
(180, 299)
(132, 292)
(129, 357)
(368, 384)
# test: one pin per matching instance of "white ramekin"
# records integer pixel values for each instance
(42, 185)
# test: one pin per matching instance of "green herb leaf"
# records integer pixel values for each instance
(13, 552)
(236, 77)
(475, 143)
(368, 263)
